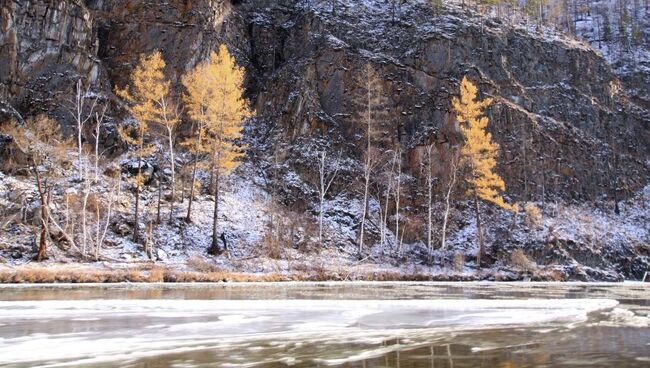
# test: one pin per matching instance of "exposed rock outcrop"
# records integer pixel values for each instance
(567, 129)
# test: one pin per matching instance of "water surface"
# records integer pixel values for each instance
(326, 325)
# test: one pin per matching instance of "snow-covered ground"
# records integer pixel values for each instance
(579, 232)
(246, 212)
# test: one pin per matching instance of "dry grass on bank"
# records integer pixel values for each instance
(205, 272)
(153, 274)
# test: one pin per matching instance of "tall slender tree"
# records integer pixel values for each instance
(146, 98)
(372, 103)
(171, 118)
(82, 111)
(480, 153)
(429, 178)
(453, 171)
(326, 175)
(215, 101)
(197, 101)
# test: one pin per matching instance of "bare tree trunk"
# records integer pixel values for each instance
(450, 188)
(109, 213)
(84, 216)
(324, 185)
(159, 201)
(398, 156)
(67, 213)
(365, 202)
(321, 198)
(173, 179)
(320, 220)
(97, 151)
(79, 127)
(97, 229)
(148, 242)
(98, 119)
(385, 218)
(78, 113)
(42, 192)
(192, 184)
(214, 247)
(136, 232)
(479, 230)
(430, 202)
(182, 180)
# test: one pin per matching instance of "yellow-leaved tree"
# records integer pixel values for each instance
(480, 153)
(215, 102)
(146, 97)
(197, 100)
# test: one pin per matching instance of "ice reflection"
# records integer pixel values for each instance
(325, 325)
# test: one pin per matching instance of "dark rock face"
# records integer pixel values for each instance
(562, 118)
(566, 127)
(45, 46)
(185, 31)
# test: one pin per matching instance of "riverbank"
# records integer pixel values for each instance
(161, 273)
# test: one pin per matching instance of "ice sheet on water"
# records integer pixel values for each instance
(120, 330)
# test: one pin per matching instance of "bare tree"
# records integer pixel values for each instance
(81, 118)
(115, 194)
(398, 158)
(326, 176)
(450, 187)
(387, 194)
(46, 148)
(366, 178)
(99, 119)
(372, 101)
(170, 121)
(430, 178)
(84, 214)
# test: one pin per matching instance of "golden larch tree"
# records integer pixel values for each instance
(146, 97)
(197, 100)
(215, 102)
(480, 153)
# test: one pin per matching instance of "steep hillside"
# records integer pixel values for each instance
(573, 133)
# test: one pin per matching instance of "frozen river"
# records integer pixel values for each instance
(326, 325)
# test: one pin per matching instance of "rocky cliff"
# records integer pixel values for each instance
(568, 132)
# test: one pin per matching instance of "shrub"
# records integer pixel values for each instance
(157, 274)
(200, 264)
(459, 261)
(271, 245)
(533, 215)
(520, 261)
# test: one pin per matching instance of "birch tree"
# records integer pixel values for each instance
(99, 119)
(326, 175)
(170, 121)
(449, 189)
(480, 153)
(102, 231)
(82, 113)
(398, 195)
(383, 190)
